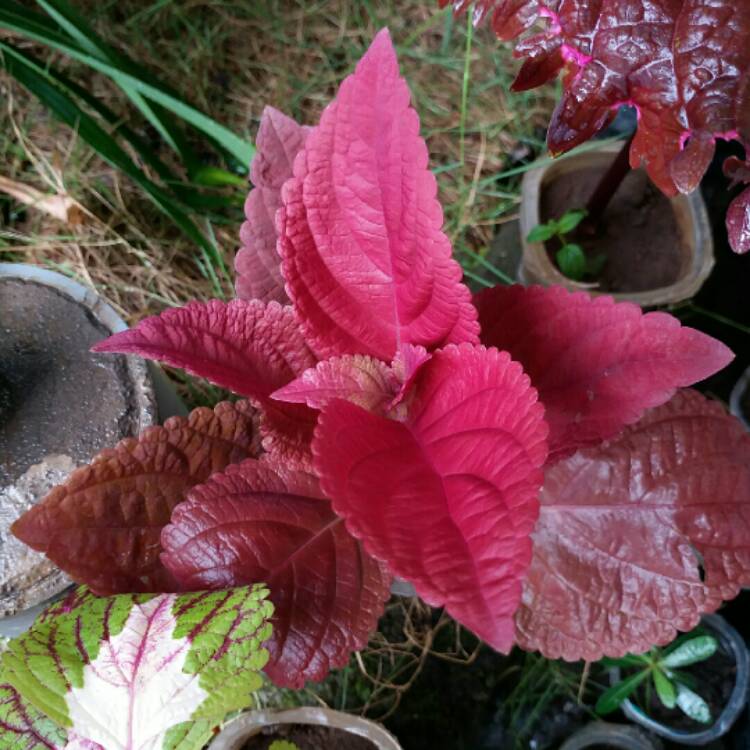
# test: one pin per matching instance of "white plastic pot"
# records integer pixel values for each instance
(734, 645)
(616, 736)
(237, 732)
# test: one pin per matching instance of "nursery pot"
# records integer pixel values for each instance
(257, 724)
(658, 250)
(602, 735)
(739, 399)
(732, 643)
(59, 406)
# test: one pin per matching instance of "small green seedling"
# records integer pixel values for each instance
(570, 257)
(282, 745)
(672, 687)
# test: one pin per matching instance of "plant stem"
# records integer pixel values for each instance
(608, 185)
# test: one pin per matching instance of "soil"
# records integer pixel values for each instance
(638, 235)
(309, 737)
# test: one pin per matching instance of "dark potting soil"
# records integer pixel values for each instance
(308, 737)
(638, 235)
(55, 396)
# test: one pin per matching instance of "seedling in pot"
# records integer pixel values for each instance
(570, 257)
(674, 689)
(282, 745)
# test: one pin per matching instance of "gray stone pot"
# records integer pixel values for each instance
(59, 406)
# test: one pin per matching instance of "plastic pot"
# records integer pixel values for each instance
(59, 405)
(690, 214)
(248, 725)
(738, 395)
(734, 645)
(617, 736)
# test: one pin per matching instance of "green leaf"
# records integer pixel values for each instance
(282, 745)
(629, 660)
(693, 705)
(572, 261)
(16, 18)
(595, 265)
(542, 232)
(23, 727)
(611, 698)
(214, 176)
(570, 220)
(691, 652)
(665, 689)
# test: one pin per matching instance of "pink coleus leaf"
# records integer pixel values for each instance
(257, 262)
(448, 497)
(139, 672)
(366, 263)
(738, 222)
(250, 348)
(681, 63)
(102, 526)
(626, 527)
(597, 364)
(260, 520)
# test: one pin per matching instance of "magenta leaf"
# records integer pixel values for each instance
(250, 348)
(262, 521)
(626, 527)
(102, 526)
(681, 63)
(738, 222)
(448, 497)
(366, 263)
(597, 364)
(257, 262)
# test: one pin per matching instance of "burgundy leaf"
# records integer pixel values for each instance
(250, 348)
(257, 262)
(102, 525)
(366, 263)
(262, 522)
(448, 497)
(597, 364)
(625, 528)
(738, 222)
(681, 63)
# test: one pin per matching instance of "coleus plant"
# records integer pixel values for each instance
(545, 480)
(134, 671)
(684, 65)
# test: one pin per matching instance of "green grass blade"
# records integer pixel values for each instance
(24, 23)
(36, 80)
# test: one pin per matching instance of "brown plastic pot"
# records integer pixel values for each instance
(690, 213)
(248, 725)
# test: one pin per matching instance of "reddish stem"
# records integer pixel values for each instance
(608, 184)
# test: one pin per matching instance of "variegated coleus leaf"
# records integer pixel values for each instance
(262, 520)
(24, 727)
(367, 265)
(102, 525)
(640, 536)
(257, 262)
(140, 672)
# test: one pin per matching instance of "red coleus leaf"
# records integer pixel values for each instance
(261, 521)
(738, 222)
(448, 497)
(250, 348)
(366, 263)
(681, 63)
(597, 364)
(257, 263)
(102, 525)
(625, 528)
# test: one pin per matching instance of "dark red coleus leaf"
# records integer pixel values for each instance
(102, 525)
(257, 262)
(448, 496)
(250, 348)
(683, 64)
(262, 522)
(597, 364)
(626, 527)
(366, 263)
(738, 222)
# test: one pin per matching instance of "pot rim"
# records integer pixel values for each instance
(735, 398)
(542, 268)
(598, 732)
(734, 644)
(250, 723)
